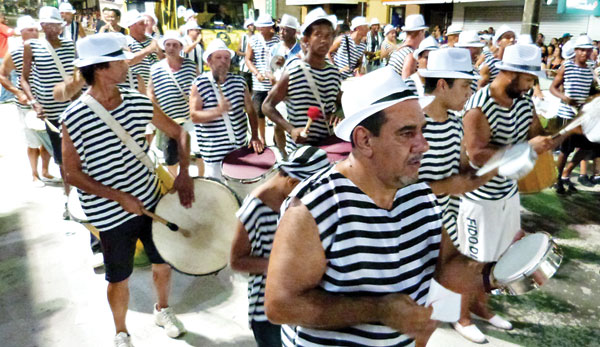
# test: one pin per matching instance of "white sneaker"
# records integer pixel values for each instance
(500, 322)
(470, 332)
(166, 318)
(123, 340)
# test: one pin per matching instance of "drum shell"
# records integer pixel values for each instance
(542, 176)
(244, 186)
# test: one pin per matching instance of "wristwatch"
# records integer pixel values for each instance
(32, 102)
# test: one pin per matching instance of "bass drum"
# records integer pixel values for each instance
(211, 221)
(543, 175)
(243, 170)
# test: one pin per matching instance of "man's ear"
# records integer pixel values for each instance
(362, 139)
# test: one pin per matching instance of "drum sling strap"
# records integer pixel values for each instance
(62, 72)
(165, 179)
(167, 68)
(315, 91)
(220, 96)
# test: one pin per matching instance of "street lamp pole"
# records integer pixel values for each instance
(531, 18)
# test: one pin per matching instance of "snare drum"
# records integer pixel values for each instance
(211, 221)
(33, 122)
(243, 169)
(527, 264)
(543, 175)
(336, 148)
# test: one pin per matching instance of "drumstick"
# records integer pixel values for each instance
(313, 114)
(170, 225)
(589, 110)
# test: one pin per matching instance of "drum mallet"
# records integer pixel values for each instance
(313, 114)
(172, 226)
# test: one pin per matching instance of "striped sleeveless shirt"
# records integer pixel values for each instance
(262, 59)
(170, 99)
(73, 32)
(300, 97)
(17, 58)
(508, 126)
(474, 82)
(212, 136)
(491, 61)
(386, 45)
(195, 54)
(45, 75)
(341, 56)
(577, 82)
(397, 58)
(107, 160)
(442, 160)
(142, 68)
(370, 251)
(260, 222)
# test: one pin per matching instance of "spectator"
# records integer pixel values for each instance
(544, 50)
(540, 40)
(112, 17)
(5, 33)
(555, 61)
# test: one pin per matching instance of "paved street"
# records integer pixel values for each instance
(50, 295)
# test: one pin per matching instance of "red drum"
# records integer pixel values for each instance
(243, 170)
(336, 148)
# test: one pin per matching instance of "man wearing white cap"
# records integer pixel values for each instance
(194, 44)
(402, 60)
(362, 239)
(374, 41)
(470, 40)
(244, 71)
(258, 59)
(145, 49)
(488, 64)
(310, 82)
(151, 23)
(120, 185)
(348, 49)
(390, 44)
(169, 86)
(500, 114)
(72, 30)
(452, 34)
(221, 107)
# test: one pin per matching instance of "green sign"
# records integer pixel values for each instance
(585, 7)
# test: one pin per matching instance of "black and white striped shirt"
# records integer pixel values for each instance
(386, 45)
(142, 68)
(577, 82)
(442, 160)
(300, 97)
(341, 56)
(70, 32)
(17, 58)
(195, 54)
(169, 97)
(370, 251)
(212, 136)
(475, 81)
(260, 221)
(45, 75)
(262, 60)
(491, 61)
(397, 58)
(507, 126)
(108, 161)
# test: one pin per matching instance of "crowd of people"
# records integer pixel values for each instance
(339, 254)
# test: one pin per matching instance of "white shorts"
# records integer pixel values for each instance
(34, 138)
(487, 227)
(213, 170)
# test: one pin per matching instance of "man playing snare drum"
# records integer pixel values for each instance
(115, 187)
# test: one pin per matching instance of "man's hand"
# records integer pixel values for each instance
(257, 145)
(184, 185)
(296, 135)
(334, 120)
(21, 98)
(541, 144)
(39, 110)
(400, 312)
(130, 203)
(571, 102)
(260, 77)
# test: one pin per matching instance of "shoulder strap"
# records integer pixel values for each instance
(348, 52)
(219, 96)
(130, 78)
(57, 61)
(167, 68)
(314, 89)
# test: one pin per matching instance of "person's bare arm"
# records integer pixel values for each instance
(5, 69)
(141, 84)
(275, 96)
(477, 137)
(141, 54)
(81, 31)
(201, 115)
(557, 82)
(537, 138)
(65, 90)
(480, 60)
(248, 59)
(187, 49)
(334, 47)
(25, 86)
(255, 142)
(409, 67)
(150, 91)
(484, 72)
(241, 259)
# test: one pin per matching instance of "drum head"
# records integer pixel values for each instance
(245, 164)
(513, 158)
(212, 222)
(33, 122)
(74, 207)
(336, 148)
(521, 258)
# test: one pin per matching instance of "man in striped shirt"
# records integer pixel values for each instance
(348, 50)
(145, 49)
(73, 30)
(488, 69)
(358, 245)
(402, 60)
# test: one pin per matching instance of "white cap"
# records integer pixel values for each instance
(523, 59)
(374, 21)
(216, 45)
(248, 22)
(469, 38)
(583, 42)
(358, 21)
(26, 22)
(429, 44)
(454, 29)
(101, 48)
(318, 14)
(503, 30)
(568, 52)
(189, 13)
(264, 21)
(449, 63)
(170, 35)
(289, 22)
(191, 26)
(524, 39)
(49, 14)
(369, 94)
(131, 17)
(387, 29)
(66, 7)
(414, 22)
(151, 15)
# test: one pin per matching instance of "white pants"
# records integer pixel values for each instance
(213, 170)
(486, 228)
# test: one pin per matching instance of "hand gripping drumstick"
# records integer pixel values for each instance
(172, 226)
(313, 114)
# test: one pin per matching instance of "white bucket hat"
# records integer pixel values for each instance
(523, 59)
(264, 21)
(469, 38)
(26, 22)
(374, 21)
(151, 15)
(358, 21)
(369, 94)
(387, 29)
(248, 22)
(503, 30)
(583, 42)
(49, 14)
(289, 22)
(449, 63)
(191, 26)
(66, 7)
(429, 44)
(524, 39)
(414, 22)
(568, 52)
(454, 29)
(318, 14)
(189, 13)
(132, 17)
(170, 35)
(101, 48)
(214, 46)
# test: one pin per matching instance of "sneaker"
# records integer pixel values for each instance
(97, 260)
(595, 180)
(585, 181)
(470, 332)
(570, 186)
(166, 318)
(560, 188)
(123, 340)
(500, 322)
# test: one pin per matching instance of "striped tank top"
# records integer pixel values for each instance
(142, 68)
(442, 160)
(508, 126)
(300, 97)
(577, 82)
(491, 61)
(397, 58)
(260, 221)
(17, 58)
(170, 99)
(262, 60)
(341, 56)
(370, 251)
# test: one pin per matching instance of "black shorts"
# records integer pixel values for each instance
(576, 141)
(171, 153)
(55, 141)
(118, 247)
(258, 97)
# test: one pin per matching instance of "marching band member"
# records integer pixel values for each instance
(488, 61)
(217, 103)
(390, 44)
(194, 45)
(452, 34)
(402, 60)
(374, 42)
(421, 55)
(470, 40)
(145, 49)
(348, 49)
(73, 30)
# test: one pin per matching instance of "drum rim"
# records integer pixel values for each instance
(254, 179)
(531, 268)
